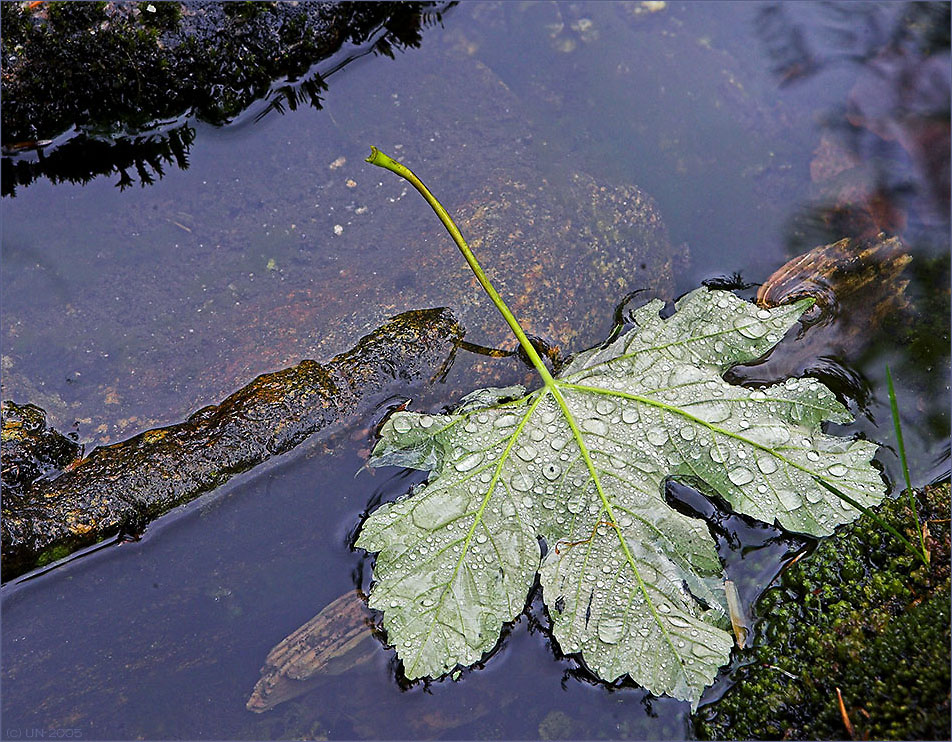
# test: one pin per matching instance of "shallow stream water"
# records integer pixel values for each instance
(129, 308)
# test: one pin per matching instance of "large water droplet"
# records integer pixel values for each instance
(837, 470)
(772, 435)
(629, 415)
(813, 456)
(576, 503)
(688, 433)
(426, 421)
(551, 471)
(526, 452)
(594, 425)
(679, 622)
(717, 456)
(767, 464)
(433, 512)
(750, 328)
(712, 411)
(520, 482)
(740, 475)
(604, 407)
(701, 651)
(401, 424)
(506, 420)
(610, 629)
(789, 499)
(469, 462)
(656, 436)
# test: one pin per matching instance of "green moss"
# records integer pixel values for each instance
(162, 16)
(862, 615)
(247, 9)
(65, 15)
(53, 554)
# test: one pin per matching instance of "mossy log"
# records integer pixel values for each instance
(119, 488)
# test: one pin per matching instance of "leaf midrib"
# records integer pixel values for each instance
(555, 387)
(490, 490)
(700, 421)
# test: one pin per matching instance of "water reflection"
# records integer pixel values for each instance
(890, 135)
(178, 78)
(880, 164)
(82, 158)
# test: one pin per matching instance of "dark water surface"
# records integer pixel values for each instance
(124, 309)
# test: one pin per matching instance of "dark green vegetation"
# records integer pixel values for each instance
(861, 614)
(111, 69)
(118, 489)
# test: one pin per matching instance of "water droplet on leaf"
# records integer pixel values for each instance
(401, 424)
(469, 462)
(551, 471)
(740, 475)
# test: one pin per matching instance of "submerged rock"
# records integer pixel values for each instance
(313, 257)
(337, 639)
(119, 488)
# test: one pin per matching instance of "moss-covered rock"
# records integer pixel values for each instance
(118, 489)
(29, 448)
(862, 615)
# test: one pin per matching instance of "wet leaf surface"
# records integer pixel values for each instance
(632, 584)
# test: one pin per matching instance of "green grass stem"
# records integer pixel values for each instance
(875, 518)
(897, 425)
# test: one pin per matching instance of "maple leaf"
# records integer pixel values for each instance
(568, 482)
